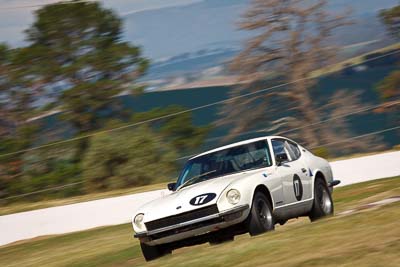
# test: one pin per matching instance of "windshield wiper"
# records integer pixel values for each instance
(194, 178)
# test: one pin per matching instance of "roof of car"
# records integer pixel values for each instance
(248, 141)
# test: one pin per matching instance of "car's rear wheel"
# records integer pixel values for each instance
(260, 219)
(323, 204)
(154, 252)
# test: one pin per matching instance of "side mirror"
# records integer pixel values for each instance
(171, 186)
(281, 158)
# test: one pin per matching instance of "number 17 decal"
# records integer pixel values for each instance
(202, 199)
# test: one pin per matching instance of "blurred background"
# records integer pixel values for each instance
(98, 98)
(110, 98)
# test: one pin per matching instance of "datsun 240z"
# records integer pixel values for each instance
(245, 187)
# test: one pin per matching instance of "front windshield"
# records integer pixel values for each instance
(231, 160)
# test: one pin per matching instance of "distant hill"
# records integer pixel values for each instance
(210, 24)
(183, 41)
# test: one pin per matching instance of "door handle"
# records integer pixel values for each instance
(303, 170)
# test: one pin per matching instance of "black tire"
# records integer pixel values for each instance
(323, 204)
(260, 219)
(154, 252)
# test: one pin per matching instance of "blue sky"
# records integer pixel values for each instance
(17, 15)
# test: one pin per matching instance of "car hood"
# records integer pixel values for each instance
(178, 202)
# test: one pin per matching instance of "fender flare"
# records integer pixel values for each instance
(264, 189)
(317, 173)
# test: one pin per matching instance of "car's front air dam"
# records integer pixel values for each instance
(195, 227)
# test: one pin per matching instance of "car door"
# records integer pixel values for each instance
(295, 175)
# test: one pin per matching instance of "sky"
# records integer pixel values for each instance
(17, 15)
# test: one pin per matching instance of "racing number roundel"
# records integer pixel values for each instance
(202, 199)
(297, 187)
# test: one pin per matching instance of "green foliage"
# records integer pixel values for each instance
(11, 166)
(15, 94)
(39, 170)
(61, 174)
(178, 130)
(391, 18)
(396, 147)
(322, 152)
(389, 88)
(80, 44)
(127, 158)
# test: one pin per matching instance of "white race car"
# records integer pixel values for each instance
(243, 187)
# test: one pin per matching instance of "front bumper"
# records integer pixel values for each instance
(194, 227)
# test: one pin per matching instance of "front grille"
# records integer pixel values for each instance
(186, 228)
(183, 217)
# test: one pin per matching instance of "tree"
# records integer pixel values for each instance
(338, 135)
(178, 130)
(4, 83)
(391, 18)
(16, 94)
(389, 90)
(127, 158)
(389, 87)
(292, 39)
(16, 133)
(78, 46)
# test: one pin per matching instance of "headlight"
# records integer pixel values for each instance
(233, 196)
(138, 220)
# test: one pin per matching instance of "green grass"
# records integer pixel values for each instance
(367, 238)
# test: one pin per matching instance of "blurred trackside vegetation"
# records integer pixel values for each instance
(389, 87)
(370, 237)
(84, 53)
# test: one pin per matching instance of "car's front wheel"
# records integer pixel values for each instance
(154, 252)
(260, 219)
(323, 204)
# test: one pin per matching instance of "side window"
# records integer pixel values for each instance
(283, 147)
(279, 148)
(293, 150)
